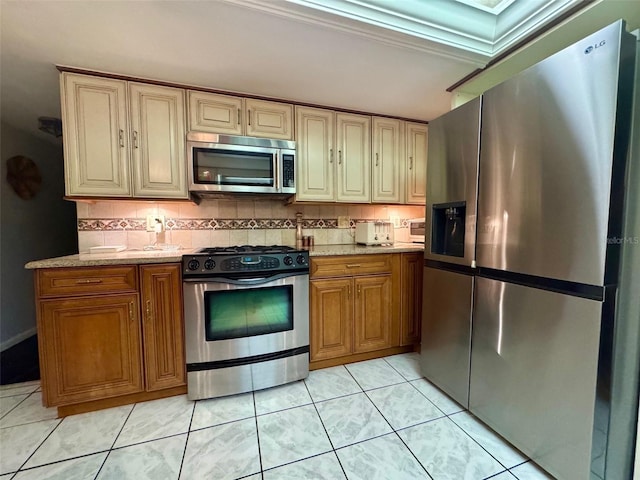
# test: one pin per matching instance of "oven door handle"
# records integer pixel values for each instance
(244, 281)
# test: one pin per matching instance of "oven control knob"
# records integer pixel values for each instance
(288, 260)
(193, 264)
(209, 264)
(300, 259)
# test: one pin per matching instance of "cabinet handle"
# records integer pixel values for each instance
(135, 139)
(148, 312)
(331, 155)
(91, 280)
(239, 116)
(121, 137)
(358, 290)
(353, 265)
(377, 159)
(410, 163)
(348, 291)
(131, 311)
(339, 157)
(249, 115)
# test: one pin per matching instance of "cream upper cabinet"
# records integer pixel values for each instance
(334, 156)
(387, 167)
(269, 119)
(416, 163)
(315, 155)
(158, 141)
(115, 131)
(96, 136)
(215, 113)
(354, 158)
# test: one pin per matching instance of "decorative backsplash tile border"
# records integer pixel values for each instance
(140, 224)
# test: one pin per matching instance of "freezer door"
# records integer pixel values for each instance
(533, 372)
(452, 174)
(446, 331)
(546, 164)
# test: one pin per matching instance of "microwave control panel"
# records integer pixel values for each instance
(288, 171)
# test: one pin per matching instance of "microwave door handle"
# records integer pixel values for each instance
(276, 172)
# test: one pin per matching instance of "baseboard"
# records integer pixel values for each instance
(17, 339)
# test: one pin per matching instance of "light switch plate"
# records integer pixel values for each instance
(343, 221)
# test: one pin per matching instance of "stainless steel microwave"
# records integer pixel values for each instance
(416, 230)
(225, 164)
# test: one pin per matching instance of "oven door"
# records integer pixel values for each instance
(232, 319)
(233, 168)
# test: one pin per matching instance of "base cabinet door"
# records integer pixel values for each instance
(90, 348)
(162, 326)
(331, 318)
(411, 303)
(373, 313)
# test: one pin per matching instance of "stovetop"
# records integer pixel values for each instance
(247, 249)
(244, 259)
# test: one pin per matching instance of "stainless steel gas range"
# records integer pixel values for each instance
(246, 318)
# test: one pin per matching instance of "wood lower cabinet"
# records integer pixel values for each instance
(375, 326)
(89, 348)
(411, 313)
(107, 333)
(354, 306)
(163, 336)
(332, 318)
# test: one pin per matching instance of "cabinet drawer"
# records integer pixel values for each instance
(57, 282)
(350, 265)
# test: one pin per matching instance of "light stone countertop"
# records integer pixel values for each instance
(132, 257)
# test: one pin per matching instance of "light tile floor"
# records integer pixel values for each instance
(371, 420)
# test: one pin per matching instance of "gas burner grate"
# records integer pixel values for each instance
(247, 249)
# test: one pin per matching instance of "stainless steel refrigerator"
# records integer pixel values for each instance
(450, 232)
(551, 185)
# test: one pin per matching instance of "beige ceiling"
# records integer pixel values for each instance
(266, 47)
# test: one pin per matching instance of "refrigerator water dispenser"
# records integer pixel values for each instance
(448, 228)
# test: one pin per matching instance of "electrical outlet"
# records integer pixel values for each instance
(395, 219)
(343, 221)
(153, 221)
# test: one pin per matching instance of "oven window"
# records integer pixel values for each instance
(229, 167)
(248, 312)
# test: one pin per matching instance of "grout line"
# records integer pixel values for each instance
(114, 441)
(186, 442)
(255, 418)
(27, 395)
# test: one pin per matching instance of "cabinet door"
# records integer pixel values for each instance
(162, 326)
(388, 140)
(158, 141)
(94, 119)
(331, 318)
(213, 113)
(269, 119)
(416, 163)
(411, 302)
(89, 348)
(373, 313)
(315, 162)
(354, 158)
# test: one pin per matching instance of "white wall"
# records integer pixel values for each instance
(44, 226)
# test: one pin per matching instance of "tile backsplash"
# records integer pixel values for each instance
(227, 222)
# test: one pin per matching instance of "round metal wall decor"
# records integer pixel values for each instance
(24, 176)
